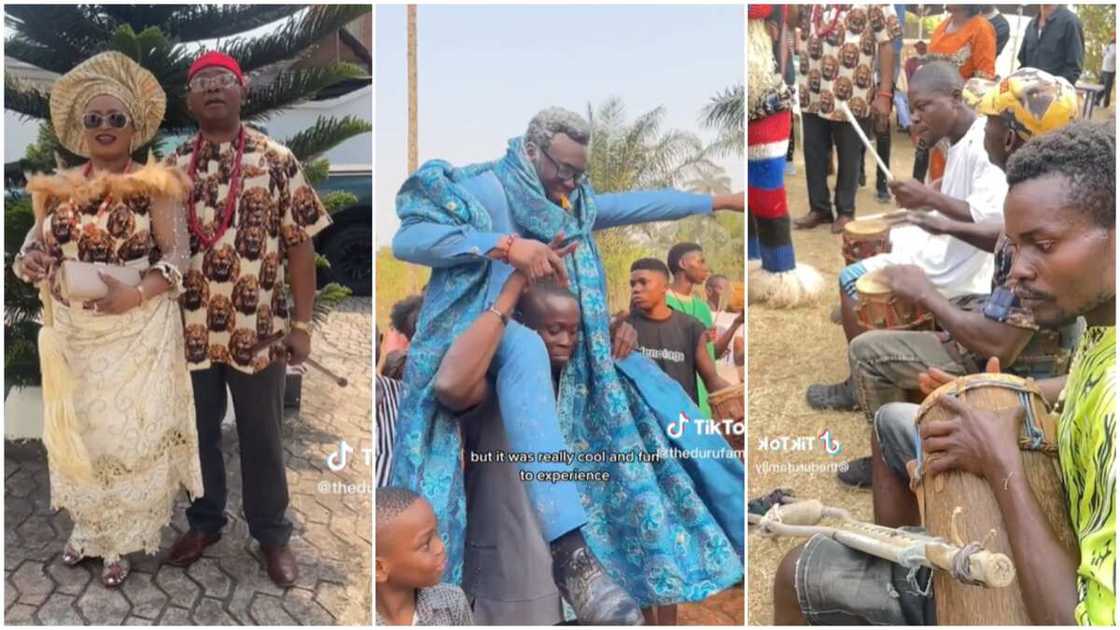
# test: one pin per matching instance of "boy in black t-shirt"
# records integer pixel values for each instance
(673, 340)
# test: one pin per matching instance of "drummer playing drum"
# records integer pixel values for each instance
(1060, 215)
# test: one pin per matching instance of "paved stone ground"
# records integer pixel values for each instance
(228, 586)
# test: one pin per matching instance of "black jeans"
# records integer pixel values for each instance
(820, 135)
(258, 405)
(1106, 94)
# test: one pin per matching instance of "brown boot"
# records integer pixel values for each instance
(189, 548)
(281, 564)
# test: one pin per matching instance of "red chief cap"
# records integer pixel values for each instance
(215, 59)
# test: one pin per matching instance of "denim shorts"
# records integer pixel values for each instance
(838, 585)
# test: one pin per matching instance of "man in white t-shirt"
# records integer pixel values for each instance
(971, 190)
(727, 334)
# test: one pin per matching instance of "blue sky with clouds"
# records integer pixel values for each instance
(485, 70)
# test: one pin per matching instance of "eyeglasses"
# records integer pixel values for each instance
(93, 120)
(221, 81)
(563, 171)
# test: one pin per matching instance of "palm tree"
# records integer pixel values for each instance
(725, 114)
(641, 154)
(710, 181)
(165, 39)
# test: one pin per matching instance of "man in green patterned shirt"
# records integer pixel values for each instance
(1060, 215)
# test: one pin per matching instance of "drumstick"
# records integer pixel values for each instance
(843, 106)
(268, 341)
(893, 215)
(801, 519)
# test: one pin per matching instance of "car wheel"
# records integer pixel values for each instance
(350, 253)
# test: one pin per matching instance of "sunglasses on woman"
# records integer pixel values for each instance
(116, 120)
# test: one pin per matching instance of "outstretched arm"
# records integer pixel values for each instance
(986, 337)
(630, 208)
(461, 380)
(982, 235)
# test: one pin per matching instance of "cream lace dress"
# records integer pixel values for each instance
(129, 442)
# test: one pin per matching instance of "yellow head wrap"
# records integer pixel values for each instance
(1032, 102)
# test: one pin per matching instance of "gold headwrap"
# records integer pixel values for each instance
(109, 73)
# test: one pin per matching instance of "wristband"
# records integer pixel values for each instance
(295, 325)
(503, 316)
(502, 247)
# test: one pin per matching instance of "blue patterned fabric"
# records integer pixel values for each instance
(648, 525)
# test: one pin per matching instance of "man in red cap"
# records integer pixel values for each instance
(251, 215)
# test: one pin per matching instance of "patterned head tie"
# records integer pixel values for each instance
(1032, 102)
(113, 74)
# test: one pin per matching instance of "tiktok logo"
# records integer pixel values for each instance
(676, 429)
(336, 461)
(831, 446)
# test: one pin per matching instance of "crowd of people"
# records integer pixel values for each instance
(163, 285)
(1008, 241)
(524, 433)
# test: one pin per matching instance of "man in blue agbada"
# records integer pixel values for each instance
(474, 226)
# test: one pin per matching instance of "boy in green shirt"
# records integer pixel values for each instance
(686, 263)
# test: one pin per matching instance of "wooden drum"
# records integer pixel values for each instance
(967, 500)
(864, 238)
(879, 309)
(736, 302)
(727, 404)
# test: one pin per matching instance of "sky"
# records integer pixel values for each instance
(484, 71)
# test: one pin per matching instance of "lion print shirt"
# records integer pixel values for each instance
(838, 47)
(234, 293)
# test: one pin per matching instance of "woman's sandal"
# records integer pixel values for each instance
(114, 573)
(71, 557)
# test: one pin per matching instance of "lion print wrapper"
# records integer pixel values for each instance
(234, 293)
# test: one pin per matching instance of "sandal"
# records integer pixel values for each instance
(838, 396)
(71, 557)
(114, 573)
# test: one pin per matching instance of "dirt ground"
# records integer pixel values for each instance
(789, 350)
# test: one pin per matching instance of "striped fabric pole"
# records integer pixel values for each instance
(767, 141)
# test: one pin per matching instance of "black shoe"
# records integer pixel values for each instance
(857, 474)
(838, 397)
(596, 598)
(883, 196)
(761, 505)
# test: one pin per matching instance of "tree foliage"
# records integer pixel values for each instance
(1098, 22)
